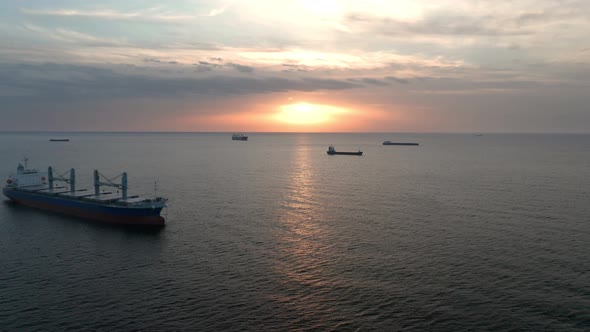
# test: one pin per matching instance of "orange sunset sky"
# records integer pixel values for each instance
(295, 66)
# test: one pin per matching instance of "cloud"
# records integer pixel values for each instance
(422, 50)
(208, 66)
(370, 81)
(397, 79)
(241, 68)
(217, 11)
(153, 60)
(468, 19)
(76, 82)
(74, 37)
(291, 67)
(109, 14)
(154, 14)
(437, 25)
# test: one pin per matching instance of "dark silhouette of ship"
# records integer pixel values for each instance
(398, 143)
(239, 137)
(332, 151)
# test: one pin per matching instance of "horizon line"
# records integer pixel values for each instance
(282, 132)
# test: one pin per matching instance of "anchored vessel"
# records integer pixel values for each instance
(332, 151)
(396, 143)
(47, 191)
(239, 137)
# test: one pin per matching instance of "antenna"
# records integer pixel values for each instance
(25, 155)
(156, 188)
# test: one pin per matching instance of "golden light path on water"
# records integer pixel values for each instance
(303, 236)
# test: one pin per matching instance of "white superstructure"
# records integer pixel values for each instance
(25, 177)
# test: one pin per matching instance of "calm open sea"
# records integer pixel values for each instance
(462, 233)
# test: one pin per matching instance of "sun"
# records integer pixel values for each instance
(307, 114)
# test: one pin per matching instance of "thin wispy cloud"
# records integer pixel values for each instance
(217, 11)
(459, 25)
(74, 37)
(148, 15)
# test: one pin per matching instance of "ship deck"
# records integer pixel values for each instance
(81, 194)
(39, 188)
(46, 190)
(84, 194)
(105, 197)
(133, 199)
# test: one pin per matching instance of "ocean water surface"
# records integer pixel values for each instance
(462, 233)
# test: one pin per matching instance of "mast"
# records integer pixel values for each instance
(96, 183)
(50, 176)
(72, 180)
(124, 185)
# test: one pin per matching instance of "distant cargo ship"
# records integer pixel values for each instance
(42, 190)
(332, 151)
(398, 143)
(59, 139)
(239, 137)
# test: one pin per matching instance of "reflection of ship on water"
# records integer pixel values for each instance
(332, 151)
(239, 137)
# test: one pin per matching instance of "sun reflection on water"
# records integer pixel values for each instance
(304, 271)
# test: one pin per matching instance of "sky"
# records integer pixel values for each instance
(295, 66)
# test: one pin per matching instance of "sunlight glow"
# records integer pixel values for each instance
(307, 114)
(324, 8)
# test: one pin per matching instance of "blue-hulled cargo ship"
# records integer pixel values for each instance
(56, 193)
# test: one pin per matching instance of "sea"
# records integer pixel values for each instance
(461, 233)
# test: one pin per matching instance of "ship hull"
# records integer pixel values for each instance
(393, 143)
(346, 153)
(88, 210)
